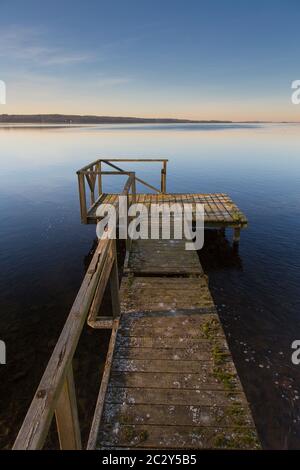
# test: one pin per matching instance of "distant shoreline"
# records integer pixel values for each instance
(86, 119)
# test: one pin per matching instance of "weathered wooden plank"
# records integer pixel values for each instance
(82, 198)
(178, 437)
(180, 331)
(67, 415)
(176, 415)
(203, 379)
(173, 396)
(166, 342)
(162, 257)
(188, 354)
(169, 321)
(159, 365)
(138, 294)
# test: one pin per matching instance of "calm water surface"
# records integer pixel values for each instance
(43, 248)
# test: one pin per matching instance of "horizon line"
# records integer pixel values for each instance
(61, 118)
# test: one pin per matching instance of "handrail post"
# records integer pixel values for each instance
(131, 186)
(93, 181)
(164, 177)
(133, 189)
(66, 414)
(82, 197)
(99, 166)
(114, 284)
(164, 187)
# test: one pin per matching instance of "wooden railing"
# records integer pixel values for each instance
(56, 392)
(92, 175)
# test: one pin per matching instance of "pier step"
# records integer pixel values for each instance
(168, 294)
(162, 257)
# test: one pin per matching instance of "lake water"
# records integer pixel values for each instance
(43, 248)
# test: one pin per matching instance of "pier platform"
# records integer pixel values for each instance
(219, 209)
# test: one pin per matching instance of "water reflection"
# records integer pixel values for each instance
(256, 290)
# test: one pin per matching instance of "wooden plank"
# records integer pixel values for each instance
(178, 437)
(82, 198)
(189, 325)
(203, 379)
(162, 365)
(101, 286)
(66, 414)
(145, 294)
(172, 415)
(172, 396)
(167, 342)
(102, 323)
(188, 354)
(162, 257)
(178, 331)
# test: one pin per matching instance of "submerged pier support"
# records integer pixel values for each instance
(236, 235)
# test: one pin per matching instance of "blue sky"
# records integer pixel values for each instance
(218, 59)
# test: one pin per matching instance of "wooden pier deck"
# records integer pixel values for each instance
(173, 383)
(219, 209)
(169, 379)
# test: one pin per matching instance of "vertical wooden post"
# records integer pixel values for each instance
(236, 235)
(114, 284)
(82, 198)
(128, 239)
(99, 166)
(66, 414)
(93, 183)
(133, 188)
(164, 178)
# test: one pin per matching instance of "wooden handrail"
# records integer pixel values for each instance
(93, 319)
(130, 160)
(137, 179)
(93, 173)
(56, 391)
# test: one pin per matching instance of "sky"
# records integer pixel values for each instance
(196, 59)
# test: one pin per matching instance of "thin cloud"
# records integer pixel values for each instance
(23, 44)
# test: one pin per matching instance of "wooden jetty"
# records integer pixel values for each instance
(169, 379)
(220, 210)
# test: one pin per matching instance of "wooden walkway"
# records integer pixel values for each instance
(172, 381)
(169, 380)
